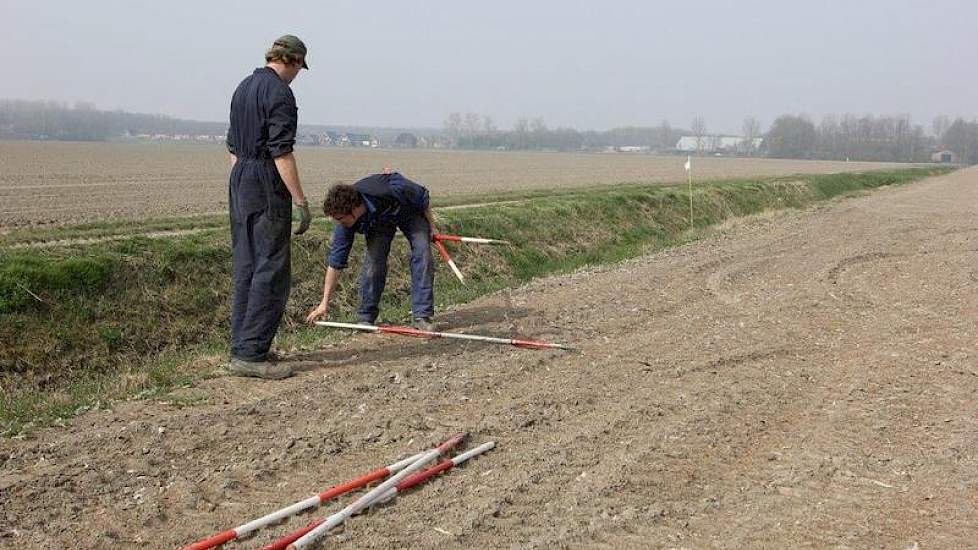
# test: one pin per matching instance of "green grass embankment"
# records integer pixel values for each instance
(88, 323)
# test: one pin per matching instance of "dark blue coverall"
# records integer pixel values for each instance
(263, 127)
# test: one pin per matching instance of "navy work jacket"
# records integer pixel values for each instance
(264, 117)
(263, 124)
(387, 197)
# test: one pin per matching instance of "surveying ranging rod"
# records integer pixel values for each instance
(437, 238)
(416, 479)
(460, 239)
(311, 502)
(409, 331)
(367, 499)
(448, 259)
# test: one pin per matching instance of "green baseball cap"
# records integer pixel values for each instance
(293, 45)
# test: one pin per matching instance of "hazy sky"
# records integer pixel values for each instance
(590, 65)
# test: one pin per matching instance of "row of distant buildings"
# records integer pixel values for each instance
(699, 145)
(326, 139)
(687, 144)
(337, 139)
(405, 140)
(175, 137)
(724, 145)
(703, 145)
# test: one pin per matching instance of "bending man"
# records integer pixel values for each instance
(377, 206)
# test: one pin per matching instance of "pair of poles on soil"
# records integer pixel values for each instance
(439, 240)
(404, 474)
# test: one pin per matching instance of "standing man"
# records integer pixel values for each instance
(377, 206)
(264, 185)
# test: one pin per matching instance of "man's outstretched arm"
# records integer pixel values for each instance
(329, 284)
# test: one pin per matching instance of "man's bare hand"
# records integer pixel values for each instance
(320, 312)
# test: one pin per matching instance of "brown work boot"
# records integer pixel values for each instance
(424, 323)
(259, 369)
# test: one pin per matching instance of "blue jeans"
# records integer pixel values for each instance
(373, 276)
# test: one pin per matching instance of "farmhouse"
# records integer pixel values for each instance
(359, 140)
(717, 144)
(331, 138)
(945, 156)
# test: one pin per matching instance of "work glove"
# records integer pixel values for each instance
(305, 217)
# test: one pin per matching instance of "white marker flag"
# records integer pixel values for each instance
(689, 163)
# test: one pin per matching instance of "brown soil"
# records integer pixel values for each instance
(805, 379)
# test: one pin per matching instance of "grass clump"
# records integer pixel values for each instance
(24, 277)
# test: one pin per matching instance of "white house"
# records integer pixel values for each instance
(717, 144)
(944, 155)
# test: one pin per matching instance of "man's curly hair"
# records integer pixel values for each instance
(282, 55)
(341, 199)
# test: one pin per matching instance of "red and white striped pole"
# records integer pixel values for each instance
(448, 259)
(339, 517)
(437, 238)
(461, 239)
(416, 479)
(311, 502)
(410, 331)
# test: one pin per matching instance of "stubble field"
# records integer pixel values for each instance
(49, 184)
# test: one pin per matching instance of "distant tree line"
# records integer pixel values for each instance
(56, 120)
(871, 138)
(854, 137)
(893, 138)
(867, 137)
(474, 131)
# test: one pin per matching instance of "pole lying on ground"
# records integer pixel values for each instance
(448, 259)
(311, 502)
(416, 479)
(409, 331)
(460, 239)
(367, 499)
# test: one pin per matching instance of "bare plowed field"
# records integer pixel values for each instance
(804, 380)
(62, 183)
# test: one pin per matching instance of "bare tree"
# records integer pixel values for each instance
(488, 125)
(471, 124)
(792, 137)
(698, 127)
(751, 129)
(453, 128)
(830, 144)
(962, 138)
(521, 129)
(940, 125)
(665, 135)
